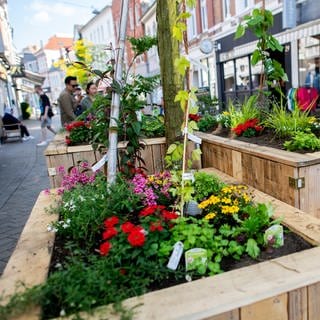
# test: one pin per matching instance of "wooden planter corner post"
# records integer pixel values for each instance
(284, 288)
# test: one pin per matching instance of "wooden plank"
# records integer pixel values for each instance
(309, 195)
(313, 301)
(147, 156)
(82, 148)
(266, 282)
(62, 160)
(87, 156)
(298, 304)
(304, 224)
(237, 165)
(30, 260)
(285, 157)
(158, 157)
(274, 308)
(230, 315)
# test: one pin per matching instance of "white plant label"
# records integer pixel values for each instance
(194, 138)
(175, 256)
(100, 163)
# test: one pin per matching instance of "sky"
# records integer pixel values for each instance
(34, 21)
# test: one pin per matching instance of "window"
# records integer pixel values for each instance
(228, 72)
(309, 61)
(204, 17)
(192, 24)
(242, 5)
(242, 74)
(226, 9)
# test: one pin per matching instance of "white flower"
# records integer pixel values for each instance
(62, 313)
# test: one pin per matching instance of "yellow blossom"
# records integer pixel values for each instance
(210, 215)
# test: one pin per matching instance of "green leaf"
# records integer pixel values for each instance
(171, 148)
(252, 248)
(182, 64)
(183, 97)
(240, 31)
(196, 154)
(256, 57)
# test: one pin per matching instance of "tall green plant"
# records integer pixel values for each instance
(259, 23)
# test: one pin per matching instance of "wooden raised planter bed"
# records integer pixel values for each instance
(288, 176)
(286, 288)
(59, 154)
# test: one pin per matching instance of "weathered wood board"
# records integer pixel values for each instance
(267, 169)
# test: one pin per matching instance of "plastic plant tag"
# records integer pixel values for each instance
(175, 256)
(100, 163)
(188, 176)
(196, 259)
(194, 138)
(273, 236)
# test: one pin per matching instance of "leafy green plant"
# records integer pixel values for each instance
(206, 184)
(285, 123)
(240, 113)
(259, 23)
(207, 123)
(303, 141)
(26, 110)
(152, 126)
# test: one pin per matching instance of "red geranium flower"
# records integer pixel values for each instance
(109, 233)
(105, 248)
(127, 227)
(147, 211)
(194, 117)
(156, 226)
(168, 215)
(110, 222)
(136, 237)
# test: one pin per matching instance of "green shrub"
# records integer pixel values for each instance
(26, 110)
(207, 123)
(152, 126)
(302, 141)
(285, 123)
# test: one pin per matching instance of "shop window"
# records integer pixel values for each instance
(309, 62)
(256, 72)
(228, 72)
(242, 74)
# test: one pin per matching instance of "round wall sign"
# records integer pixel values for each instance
(206, 46)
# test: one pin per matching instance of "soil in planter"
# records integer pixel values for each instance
(292, 243)
(266, 138)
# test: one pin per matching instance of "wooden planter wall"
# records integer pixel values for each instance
(288, 176)
(286, 288)
(59, 154)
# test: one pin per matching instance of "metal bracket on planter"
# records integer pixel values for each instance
(297, 183)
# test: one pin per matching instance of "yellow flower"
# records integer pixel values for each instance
(225, 113)
(246, 198)
(226, 200)
(210, 215)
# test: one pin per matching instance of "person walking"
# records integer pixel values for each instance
(45, 115)
(67, 102)
(91, 91)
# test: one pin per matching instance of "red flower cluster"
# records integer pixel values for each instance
(241, 128)
(136, 234)
(75, 124)
(194, 117)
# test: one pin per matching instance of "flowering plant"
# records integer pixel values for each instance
(154, 189)
(79, 132)
(129, 240)
(224, 119)
(223, 205)
(249, 128)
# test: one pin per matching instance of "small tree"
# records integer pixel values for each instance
(259, 23)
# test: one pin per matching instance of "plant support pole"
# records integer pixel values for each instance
(115, 105)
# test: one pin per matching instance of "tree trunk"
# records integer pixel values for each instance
(171, 81)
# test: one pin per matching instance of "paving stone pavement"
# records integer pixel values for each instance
(23, 174)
